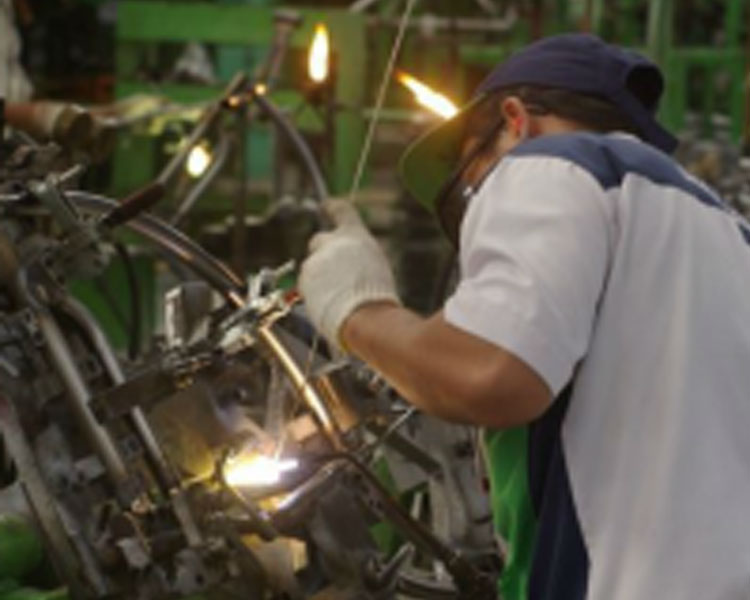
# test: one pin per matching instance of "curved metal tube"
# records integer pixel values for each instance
(60, 355)
(220, 157)
(208, 118)
(62, 555)
(84, 318)
(174, 243)
(301, 382)
(299, 143)
(80, 396)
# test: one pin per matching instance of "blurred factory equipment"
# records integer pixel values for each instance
(448, 45)
(72, 126)
(234, 441)
(208, 444)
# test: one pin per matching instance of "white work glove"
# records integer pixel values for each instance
(346, 269)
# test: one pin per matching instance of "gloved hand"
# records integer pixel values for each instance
(346, 269)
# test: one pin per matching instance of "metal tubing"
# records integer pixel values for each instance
(238, 238)
(174, 243)
(166, 475)
(301, 382)
(79, 396)
(59, 352)
(463, 24)
(238, 82)
(62, 553)
(84, 318)
(285, 22)
(220, 156)
(300, 145)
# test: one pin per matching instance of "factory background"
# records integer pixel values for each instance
(227, 122)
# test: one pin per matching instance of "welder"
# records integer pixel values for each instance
(600, 329)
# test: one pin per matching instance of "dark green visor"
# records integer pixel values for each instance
(428, 164)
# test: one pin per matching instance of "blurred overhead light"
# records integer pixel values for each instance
(319, 55)
(427, 97)
(198, 160)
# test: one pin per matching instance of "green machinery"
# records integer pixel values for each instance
(723, 70)
(703, 78)
(240, 32)
(145, 27)
(705, 75)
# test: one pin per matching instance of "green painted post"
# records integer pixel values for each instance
(738, 14)
(631, 32)
(564, 20)
(659, 34)
(154, 22)
(659, 38)
(597, 8)
(733, 22)
(348, 37)
(675, 98)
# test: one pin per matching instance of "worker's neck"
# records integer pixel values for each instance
(552, 124)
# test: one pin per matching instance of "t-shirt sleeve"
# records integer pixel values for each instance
(535, 249)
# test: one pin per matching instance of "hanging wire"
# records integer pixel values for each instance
(364, 155)
(403, 25)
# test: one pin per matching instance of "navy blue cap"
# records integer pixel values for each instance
(576, 62)
(584, 63)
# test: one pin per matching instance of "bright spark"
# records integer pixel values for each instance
(427, 97)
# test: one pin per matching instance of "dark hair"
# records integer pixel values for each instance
(591, 112)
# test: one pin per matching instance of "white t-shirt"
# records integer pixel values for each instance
(625, 284)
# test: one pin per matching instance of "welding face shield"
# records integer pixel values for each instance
(466, 160)
(476, 158)
(579, 63)
(442, 163)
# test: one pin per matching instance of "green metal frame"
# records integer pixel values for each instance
(142, 25)
(682, 63)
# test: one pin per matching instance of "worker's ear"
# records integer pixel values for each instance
(517, 118)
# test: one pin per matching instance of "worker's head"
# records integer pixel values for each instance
(559, 84)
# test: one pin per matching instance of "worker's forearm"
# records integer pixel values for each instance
(417, 358)
(386, 336)
(444, 370)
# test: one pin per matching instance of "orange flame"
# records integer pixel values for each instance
(427, 97)
(318, 57)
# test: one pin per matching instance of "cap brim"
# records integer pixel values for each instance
(429, 162)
